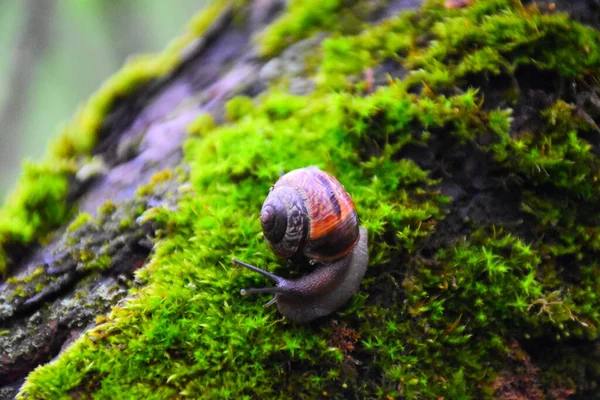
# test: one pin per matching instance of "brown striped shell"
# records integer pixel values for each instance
(309, 212)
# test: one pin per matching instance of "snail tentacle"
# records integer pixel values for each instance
(269, 275)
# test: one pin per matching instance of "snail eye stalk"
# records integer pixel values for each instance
(274, 289)
(269, 275)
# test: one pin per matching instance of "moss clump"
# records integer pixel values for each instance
(461, 311)
(305, 18)
(26, 279)
(491, 38)
(235, 109)
(157, 178)
(79, 221)
(92, 261)
(451, 286)
(557, 155)
(204, 123)
(480, 42)
(107, 208)
(351, 55)
(35, 207)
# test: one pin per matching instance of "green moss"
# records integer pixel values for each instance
(107, 208)
(26, 279)
(556, 156)
(79, 221)
(95, 262)
(350, 55)
(39, 202)
(157, 178)
(125, 223)
(34, 208)
(228, 195)
(201, 125)
(492, 38)
(443, 301)
(80, 136)
(461, 310)
(304, 18)
(39, 287)
(35, 205)
(238, 107)
(20, 291)
(494, 43)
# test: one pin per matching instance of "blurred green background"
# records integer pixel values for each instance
(55, 53)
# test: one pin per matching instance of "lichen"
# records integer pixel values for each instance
(452, 284)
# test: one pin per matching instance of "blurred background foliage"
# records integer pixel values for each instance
(55, 53)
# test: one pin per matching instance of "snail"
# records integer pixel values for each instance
(308, 215)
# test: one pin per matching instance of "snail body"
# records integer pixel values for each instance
(308, 215)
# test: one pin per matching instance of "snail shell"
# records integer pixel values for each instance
(309, 212)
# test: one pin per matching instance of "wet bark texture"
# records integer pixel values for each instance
(143, 134)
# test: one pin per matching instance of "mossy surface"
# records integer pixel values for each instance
(303, 18)
(85, 270)
(481, 215)
(40, 201)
